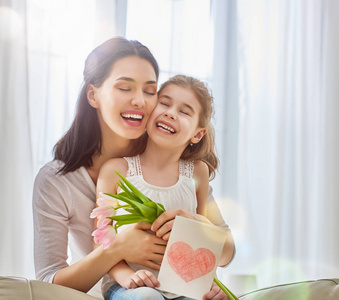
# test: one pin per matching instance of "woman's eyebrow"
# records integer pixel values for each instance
(132, 80)
(125, 78)
(151, 82)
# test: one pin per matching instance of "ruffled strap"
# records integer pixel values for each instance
(186, 168)
(134, 166)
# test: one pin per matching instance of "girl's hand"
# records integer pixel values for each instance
(164, 223)
(141, 278)
(150, 250)
(215, 293)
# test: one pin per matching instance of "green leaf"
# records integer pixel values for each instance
(128, 193)
(139, 194)
(228, 293)
(130, 210)
(127, 200)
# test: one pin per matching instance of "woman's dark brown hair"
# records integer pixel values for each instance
(205, 149)
(76, 148)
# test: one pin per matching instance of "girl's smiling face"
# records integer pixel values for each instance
(174, 121)
(126, 98)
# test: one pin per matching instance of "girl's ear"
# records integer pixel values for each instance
(91, 96)
(198, 135)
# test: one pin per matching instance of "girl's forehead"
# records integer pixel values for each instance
(180, 95)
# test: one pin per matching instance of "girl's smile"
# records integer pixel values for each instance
(174, 121)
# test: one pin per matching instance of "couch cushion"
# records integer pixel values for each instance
(322, 289)
(14, 288)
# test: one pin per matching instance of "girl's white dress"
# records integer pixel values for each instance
(180, 195)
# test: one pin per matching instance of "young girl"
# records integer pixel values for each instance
(173, 168)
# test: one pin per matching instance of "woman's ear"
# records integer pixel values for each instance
(198, 135)
(91, 96)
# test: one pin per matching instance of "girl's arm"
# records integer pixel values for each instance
(121, 272)
(201, 178)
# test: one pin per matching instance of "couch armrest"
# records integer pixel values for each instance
(322, 289)
(13, 288)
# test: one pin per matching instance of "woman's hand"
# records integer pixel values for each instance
(164, 223)
(215, 293)
(141, 278)
(150, 250)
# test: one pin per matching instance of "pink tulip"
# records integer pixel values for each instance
(105, 200)
(102, 212)
(104, 236)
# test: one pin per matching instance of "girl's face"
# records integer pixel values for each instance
(126, 98)
(174, 121)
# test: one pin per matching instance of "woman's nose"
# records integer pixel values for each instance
(138, 100)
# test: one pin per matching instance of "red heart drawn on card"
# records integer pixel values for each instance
(190, 264)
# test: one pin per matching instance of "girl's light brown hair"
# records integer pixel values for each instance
(205, 149)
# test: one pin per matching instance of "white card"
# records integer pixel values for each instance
(191, 258)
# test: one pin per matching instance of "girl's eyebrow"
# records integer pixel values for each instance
(184, 104)
(189, 107)
(132, 80)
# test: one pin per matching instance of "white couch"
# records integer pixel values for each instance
(14, 288)
(322, 289)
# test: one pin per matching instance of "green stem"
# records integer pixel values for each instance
(228, 293)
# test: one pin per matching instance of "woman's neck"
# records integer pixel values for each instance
(111, 148)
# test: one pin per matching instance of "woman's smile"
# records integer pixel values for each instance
(133, 118)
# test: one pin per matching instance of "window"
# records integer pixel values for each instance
(178, 32)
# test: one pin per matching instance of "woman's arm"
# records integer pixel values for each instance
(52, 209)
(51, 206)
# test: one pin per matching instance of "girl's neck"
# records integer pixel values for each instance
(158, 158)
(160, 166)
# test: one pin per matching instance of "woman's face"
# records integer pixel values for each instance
(126, 98)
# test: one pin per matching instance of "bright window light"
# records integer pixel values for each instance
(179, 34)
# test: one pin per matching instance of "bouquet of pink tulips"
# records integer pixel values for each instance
(140, 209)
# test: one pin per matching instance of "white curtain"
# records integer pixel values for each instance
(43, 45)
(15, 136)
(285, 218)
(274, 81)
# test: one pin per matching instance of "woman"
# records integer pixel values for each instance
(117, 96)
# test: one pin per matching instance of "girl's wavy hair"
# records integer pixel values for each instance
(205, 149)
(84, 138)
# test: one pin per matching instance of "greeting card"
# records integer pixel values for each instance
(191, 258)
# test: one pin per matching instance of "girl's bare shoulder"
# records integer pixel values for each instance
(200, 169)
(115, 164)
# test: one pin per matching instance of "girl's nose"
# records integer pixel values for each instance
(170, 114)
(138, 100)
